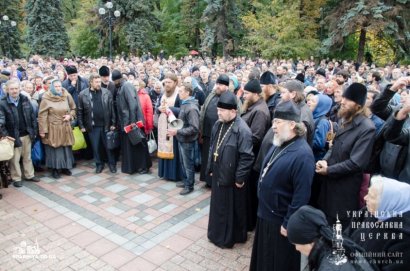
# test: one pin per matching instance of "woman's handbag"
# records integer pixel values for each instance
(79, 140)
(152, 144)
(113, 140)
(6, 148)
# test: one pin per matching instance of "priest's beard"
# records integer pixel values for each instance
(347, 114)
(280, 138)
(169, 92)
(247, 104)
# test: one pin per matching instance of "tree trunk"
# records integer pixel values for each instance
(362, 44)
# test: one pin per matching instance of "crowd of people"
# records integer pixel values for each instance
(287, 147)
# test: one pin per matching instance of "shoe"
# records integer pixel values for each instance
(186, 191)
(1, 196)
(113, 168)
(143, 171)
(55, 174)
(18, 184)
(66, 171)
(34, 179)
(99, 168)
(180, 185)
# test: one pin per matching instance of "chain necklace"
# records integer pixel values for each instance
(219, 142)
(273, 159)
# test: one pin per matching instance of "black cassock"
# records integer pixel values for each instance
(227, 215)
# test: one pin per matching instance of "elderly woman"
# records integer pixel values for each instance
(57, 110)
(383, 227)
(325, 248)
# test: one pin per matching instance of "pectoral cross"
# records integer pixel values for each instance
(215, 156)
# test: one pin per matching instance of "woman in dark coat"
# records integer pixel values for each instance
(135, 158)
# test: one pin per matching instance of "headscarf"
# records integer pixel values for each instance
(53, 89)
(306, 225)
(394, 198)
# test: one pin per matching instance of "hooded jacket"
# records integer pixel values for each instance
(322, 125)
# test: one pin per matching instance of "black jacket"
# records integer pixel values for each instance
(9, 119)
(395, 133)
(235, 158)
(381, 107)
(85, 109)
(128, 105)
(82, 84)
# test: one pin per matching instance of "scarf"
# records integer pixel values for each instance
(13, 101)
(188, 100)
(394, 198)
(54, 91)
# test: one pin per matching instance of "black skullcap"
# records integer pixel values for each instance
(300, 77)
(194, 69)
(294, 85)
(227, 100)
(268, 78)
(321, 72)
(104, 71)
(307, 224)
(223, 79)
(116, 75)
(71, 70)
(357, 93)
(287, 111)
(253, 86)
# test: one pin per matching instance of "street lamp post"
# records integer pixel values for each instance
(6, 26)
(110, 19)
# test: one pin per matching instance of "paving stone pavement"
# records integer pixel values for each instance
(110, 222)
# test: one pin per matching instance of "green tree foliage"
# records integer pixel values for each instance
(10, 36)
(138, 24)
(84, 35)
(71, 10)
(191, 11)
(46, 33)
(222, 25)
(385, 18)
(172, 36)
(280, 28)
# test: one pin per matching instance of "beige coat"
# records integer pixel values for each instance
(50, 119)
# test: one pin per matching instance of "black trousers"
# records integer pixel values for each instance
(98, 140)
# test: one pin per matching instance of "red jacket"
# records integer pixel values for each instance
(147, 110)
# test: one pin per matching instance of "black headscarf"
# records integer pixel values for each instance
(308, 224)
